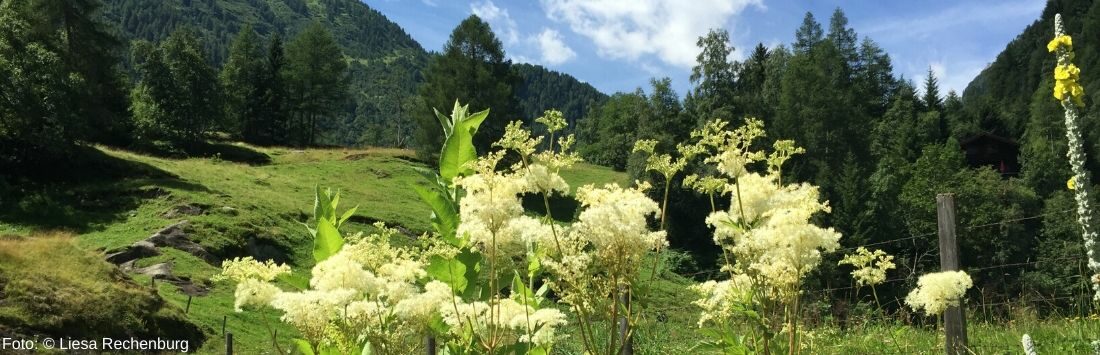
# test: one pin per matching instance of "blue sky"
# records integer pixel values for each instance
(618, 45)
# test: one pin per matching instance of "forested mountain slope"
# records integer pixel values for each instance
(543, 89)
(1012, 97)
(384, 62)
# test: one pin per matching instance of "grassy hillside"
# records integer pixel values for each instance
(240, 200)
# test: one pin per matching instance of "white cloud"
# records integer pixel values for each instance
(638, 30)
(431, 3)
(554, 51)
(498, 18)
(954, 76)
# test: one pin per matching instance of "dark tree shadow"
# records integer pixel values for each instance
(81, 191)
(562, 208)
(213, 149)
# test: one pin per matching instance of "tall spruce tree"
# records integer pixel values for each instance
(472, 70)
(276, 104)
(931, 98)
(808, 35)
(843, 37)
(242, 78)
(318, 81)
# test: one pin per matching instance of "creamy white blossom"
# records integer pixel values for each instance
(936, 292)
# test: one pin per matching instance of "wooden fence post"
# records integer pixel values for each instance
(954, 321)
(624, 324)
(430, 345)
(228, 343)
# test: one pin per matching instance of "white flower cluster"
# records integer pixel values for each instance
(615, 223)
(367, 291)
(767, 238)
(254, 288)
(721, 299)
(491, 213)
(936, 292)
(513, 322)
(870, 266)
(768, 229)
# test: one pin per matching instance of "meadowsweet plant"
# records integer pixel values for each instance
(366, 296)
(1070, 94)
(870, 268)
(497, 246)
(938, 291)
(767, 237)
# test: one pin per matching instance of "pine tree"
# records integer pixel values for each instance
(808, 35)
(317, 76)
(276, 105)
(472, 70)
(843, 37)
(178, 98)
(931, 98)
(242, 78)
(749, 91)
(874, 79)
(714, 76)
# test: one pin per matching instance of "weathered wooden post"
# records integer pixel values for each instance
(954, 321)
(624, 324)
(429, 345)
(228, 343)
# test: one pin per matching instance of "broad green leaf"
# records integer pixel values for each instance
(303, 347)
(347, 214)
(522, 291)
(458, 149)
(449, 271)
(472, 261)
(445, 215)
(444, 121)
(328, 240)
(533, 264)
(298, 282)
(332, 206)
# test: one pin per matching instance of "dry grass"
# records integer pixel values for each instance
(49, 286)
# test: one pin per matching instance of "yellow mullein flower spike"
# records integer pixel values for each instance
(1060, 41)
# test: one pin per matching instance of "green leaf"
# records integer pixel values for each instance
(444, 121)
(472, 261)
(458, 149)
(521, 291)
(327, 242)
(449, 271)
(533, 264)
(445, 213)
(303, 347)
(320, 202)
(298, 282)
(347, 214)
